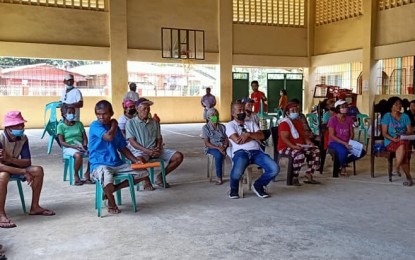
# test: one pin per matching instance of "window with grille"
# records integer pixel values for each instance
(98, 5)
(270, 12)
(396, 76)
(388, 4)
(342, 75)
(330, 11)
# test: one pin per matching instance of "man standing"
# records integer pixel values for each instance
(244, 137)
(207, 101)
(132, 94)
(146, 142)
(72, 96)
(257, 96)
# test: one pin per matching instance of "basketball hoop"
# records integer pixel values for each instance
(186, 61)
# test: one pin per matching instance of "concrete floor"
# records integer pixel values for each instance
(344, 218)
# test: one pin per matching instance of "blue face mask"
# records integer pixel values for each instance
(293, 116)
(17, 133)
(70, 117)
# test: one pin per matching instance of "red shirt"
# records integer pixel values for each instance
(284, 127)
(257, 96)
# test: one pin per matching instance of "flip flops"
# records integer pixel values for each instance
(7, 224)
(88, 181)
(408, 183)
(44, 212)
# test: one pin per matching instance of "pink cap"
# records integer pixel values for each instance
(127, 103)
(13, 118)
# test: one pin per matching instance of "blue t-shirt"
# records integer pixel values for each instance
(102, 152)
(395, 127)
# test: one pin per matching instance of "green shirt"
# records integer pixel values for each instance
(145, 133)
(72, 134)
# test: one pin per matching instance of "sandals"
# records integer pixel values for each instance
(218, 181)
(88, 181)
(408, 183)
(78, 183)
(114, 210)
(7, 224)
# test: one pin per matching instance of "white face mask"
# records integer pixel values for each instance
(69, 87)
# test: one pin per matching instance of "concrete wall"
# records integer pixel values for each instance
(339, 36)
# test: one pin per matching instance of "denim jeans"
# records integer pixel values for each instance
(242, 158)
(219, 157)
(342, 153)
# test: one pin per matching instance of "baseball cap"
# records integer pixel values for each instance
(247, 100)
(68, 77)
(339, 102)
(143, 101)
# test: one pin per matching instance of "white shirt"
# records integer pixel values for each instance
(71, 97)
(122, 121)
(131, 95)
(233, 127)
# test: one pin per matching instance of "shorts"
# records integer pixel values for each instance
(70, 151)
(166, 154)
(393, 146)
(105, 174)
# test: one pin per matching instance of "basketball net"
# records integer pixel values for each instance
(187, 63)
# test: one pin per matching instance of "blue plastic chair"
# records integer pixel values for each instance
(118, 178)
(69, 166)
(19, 186)
(51, 126)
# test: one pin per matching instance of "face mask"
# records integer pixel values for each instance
(241, 116)
(69, 87)
(70, 117)
(17, 133)
(343, 110)
(293, 116)
(132, 112)
(214, 119)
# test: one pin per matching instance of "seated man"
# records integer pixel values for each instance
(252, 116)
(105, 141)
(244, 138)
(294, 142)
(15, 160)
(146, 142)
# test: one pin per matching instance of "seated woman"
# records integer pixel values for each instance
(74, 141)
(129, 112)
(394, 124)
(340, 133)
(329, 111)
(216, 141)
(16, 161)
(294, 142)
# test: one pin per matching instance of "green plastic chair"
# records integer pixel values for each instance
(51, 126)
(280, 113)
(19, 186)
(118, 178)
(363, 118)
(68, 167)
(312, 120)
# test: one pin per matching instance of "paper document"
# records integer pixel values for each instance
(407, 137)
(356, 149)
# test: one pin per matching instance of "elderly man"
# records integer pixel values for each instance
(132, 94)
(244, 137)
(15, 161)
(72, 96)
(146, 142)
